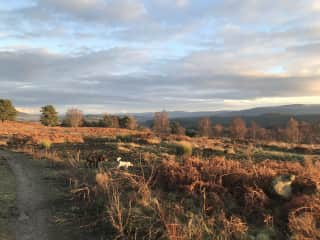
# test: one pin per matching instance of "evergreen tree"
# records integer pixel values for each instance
(128, 122)
(107, 121)
(175, 125)
(49, 116)
(7, 110)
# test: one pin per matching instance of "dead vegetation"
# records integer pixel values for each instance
(182, 188)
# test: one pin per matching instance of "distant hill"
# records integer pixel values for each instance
(265, 120)
(295, 109)
(26, 117)
(264, 116)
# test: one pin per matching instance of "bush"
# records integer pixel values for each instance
(191, 132)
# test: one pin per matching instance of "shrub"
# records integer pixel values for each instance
(191, 132)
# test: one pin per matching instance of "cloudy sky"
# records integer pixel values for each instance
(148, 55)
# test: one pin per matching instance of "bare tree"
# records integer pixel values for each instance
(74, 117)
(238, 128)
(161, 122)
(218, 130)
(205, 127)
(292, 131)
(115, 121)
(133, 123)
(306, 132)
(253, 130)
(262, 133)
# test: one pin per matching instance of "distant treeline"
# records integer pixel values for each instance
(298, 129)
(266, 120)
(285, 128)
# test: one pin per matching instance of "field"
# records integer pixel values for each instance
(177, 187)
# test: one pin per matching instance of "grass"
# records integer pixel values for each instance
(7, 201)
(278, 156)
(183, 148)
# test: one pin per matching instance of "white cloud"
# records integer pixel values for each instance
(182, 3)
(135, 53)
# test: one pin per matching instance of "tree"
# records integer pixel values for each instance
(107, 121)
(306, 132)
(238, 128)
(253, 130)
(217, 130)
(205, 127)
(176, 128)
(74, 117)
(115, 121)
(263, 133)
(292, 131)
(161, 122)
(7, 110)
(49, 116)
(128, 122)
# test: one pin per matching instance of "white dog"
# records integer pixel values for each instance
(126, 165)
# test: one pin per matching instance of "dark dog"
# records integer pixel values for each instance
(94, 159)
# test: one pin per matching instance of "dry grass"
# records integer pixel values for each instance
(165, 196)
(245, 188)
(38, 133)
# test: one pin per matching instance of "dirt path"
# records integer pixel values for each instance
(32, 204)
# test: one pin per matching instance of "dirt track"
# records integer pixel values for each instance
(31, 201)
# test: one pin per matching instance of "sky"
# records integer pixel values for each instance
(149, 55)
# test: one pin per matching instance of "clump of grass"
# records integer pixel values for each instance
(183, 148)
(153, 140)
(46, 144)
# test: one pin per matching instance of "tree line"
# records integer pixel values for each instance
(73, 117)
(294, 132)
